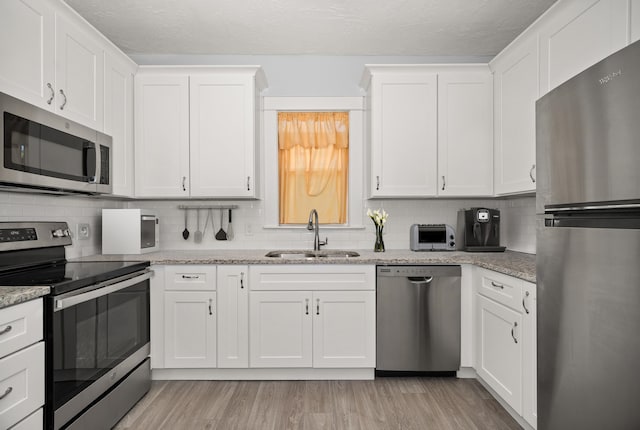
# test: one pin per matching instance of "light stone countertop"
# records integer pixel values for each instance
(516, 264)
(14, 295)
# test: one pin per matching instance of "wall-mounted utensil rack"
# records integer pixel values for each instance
(189, 207)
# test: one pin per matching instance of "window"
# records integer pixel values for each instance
(313, 166)
(353, 108)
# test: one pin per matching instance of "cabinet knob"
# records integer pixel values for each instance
(444, 183)
(184, 183)
(317, 306)
(377, 183)
(6, 330)
(248, 183)
(524, 305)
(241, 279)
(6, 393)
(515, 325)
(306, 306)
(210, 306)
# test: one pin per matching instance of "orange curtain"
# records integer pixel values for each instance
(313, 158)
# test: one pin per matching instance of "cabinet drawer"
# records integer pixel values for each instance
(312, 277)
(502, 288)
(20, 326)
(21, 384)
(190, 278)
(32, 422)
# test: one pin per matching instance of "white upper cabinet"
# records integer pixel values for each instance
(635, 20)
(222, 139)
(426, 123)
(79, 74)
(197, 131)
(403, 136)
(162, 135)
(118, 120)
(578, 34)
(27, 50)
(516, 86)
(465, 133)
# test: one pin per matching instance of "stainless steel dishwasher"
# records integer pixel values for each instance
(418, 318)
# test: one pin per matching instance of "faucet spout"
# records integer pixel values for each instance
(315, 225)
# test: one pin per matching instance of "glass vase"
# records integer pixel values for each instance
(379, 246)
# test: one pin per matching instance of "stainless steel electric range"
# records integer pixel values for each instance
(96, 325)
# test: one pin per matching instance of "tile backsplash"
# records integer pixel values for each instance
(518, 222)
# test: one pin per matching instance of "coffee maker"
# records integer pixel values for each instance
(479, 230)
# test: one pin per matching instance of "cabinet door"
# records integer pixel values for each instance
(27, 51)
(118, 121)
(529, 354)
(635, 21)
(344, 329)
(222, 135)
(190, 329)
(233, 316)
(465, 134)
(280, 329)
(79, 75)
(162, 136)
(579, 35)
(403, 135)
(515, 93)
(499, 350)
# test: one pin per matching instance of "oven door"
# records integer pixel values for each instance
(96, 338)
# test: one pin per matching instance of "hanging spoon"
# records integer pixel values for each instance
(197, 236)
(185, 232)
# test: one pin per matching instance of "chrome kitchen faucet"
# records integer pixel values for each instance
(313, 217)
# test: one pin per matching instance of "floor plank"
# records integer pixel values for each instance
(411, 403)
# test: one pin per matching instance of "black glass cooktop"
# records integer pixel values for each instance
(67, 276)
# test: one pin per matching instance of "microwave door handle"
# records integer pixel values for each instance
(98, 290)
(96, 178)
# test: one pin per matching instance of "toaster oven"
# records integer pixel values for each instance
(432, 237)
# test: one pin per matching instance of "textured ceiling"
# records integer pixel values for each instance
(312, 27)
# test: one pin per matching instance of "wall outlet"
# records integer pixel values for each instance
(83, 231)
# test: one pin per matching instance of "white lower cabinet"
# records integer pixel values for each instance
(233, 316)
(505, 340)
(190, 317)
(499, 353)
(280, 329)
(312, 316)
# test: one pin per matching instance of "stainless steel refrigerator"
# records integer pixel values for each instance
(588, 256)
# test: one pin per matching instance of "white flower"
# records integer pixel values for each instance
(379, 216)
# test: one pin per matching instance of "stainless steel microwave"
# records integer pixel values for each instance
(42, 150)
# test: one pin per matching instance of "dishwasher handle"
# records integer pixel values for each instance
(419, 280)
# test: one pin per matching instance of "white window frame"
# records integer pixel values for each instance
(355, 194)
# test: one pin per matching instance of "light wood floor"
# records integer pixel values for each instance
(386, 403)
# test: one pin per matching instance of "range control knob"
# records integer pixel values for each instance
(451, 237)
(452, 244)
(61, 232)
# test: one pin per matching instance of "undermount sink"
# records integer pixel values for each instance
(335, 253)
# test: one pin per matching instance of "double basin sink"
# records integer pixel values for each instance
(311, 255)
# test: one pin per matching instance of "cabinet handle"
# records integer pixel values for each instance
(306, 306)
(210, 304)
(248, 183)
(515, 325)
(317, 306)
(495, 284)
(64, 103)
(6, 393)
(241, 279)
(444, 183)
(377, 183)
(184, 183)
(53, 93)
(533, 167)
(524, 305)
(190, 277)
(6, 330)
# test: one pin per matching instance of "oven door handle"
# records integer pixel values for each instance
(101, 289)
